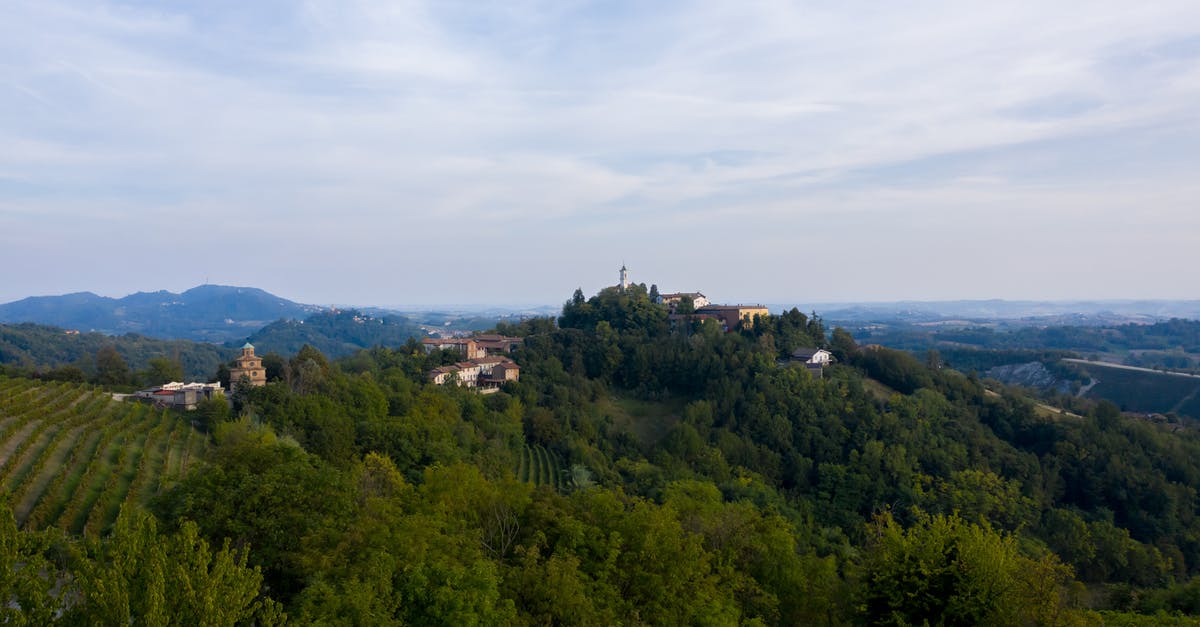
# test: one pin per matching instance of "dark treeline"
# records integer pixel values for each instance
(709, 482)
(28, 349)
(336, 333)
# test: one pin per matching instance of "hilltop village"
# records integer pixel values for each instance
(485, 361)
(486, 365)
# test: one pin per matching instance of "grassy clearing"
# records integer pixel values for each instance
(878, 390)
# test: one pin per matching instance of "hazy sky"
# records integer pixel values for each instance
(508, 152)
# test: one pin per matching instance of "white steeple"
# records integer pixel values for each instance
(624, 278)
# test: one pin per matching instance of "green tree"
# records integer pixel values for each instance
(842, 345)
(111, 368)
(27, 578)
(275, 365)
(945, 571)
(74, 374)
(139, 576)
(211, 412)
(266, 493)
(161, 370)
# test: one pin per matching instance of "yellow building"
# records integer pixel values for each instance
(731, 315)
(248, 366)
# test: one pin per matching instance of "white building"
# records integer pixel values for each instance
(672, 300)
(813, 356)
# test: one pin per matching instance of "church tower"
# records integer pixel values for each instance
(624, 278)
(248, 365)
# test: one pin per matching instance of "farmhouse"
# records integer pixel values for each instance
(813, 359)
(814, 356)
(466, 346)
(475, 347)
(180, 395)
(731, 315)
(485, 374)
(494, 343)
(672, 300)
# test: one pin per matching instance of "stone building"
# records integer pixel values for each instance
(672, 300)
(731, 315)
(248, 366)
(485, 374)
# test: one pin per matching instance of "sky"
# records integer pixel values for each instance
(409, 152)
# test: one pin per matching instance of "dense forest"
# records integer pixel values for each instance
(704, 480)
(334, 333)
(55, 353)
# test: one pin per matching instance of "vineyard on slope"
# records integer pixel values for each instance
(70, 456)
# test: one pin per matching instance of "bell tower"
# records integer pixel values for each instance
(248, 365)
(624, 278)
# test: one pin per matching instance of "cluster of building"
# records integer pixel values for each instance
(728, 316)
(475, 346)
(180, 395)
(483, 368)
(248, 368)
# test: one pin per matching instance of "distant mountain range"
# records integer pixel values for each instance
(1075, 313)
(208, 313)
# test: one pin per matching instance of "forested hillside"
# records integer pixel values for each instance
(56, 353)
(1047, 359)
(644, 472)
(335, 333)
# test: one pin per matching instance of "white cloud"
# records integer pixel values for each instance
(589, 122)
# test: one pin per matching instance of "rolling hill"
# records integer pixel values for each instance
(210, 313)
(39, 347)
(335, 333)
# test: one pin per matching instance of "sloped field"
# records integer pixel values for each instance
(1145, 391)
(70, 456)
(540, 467)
